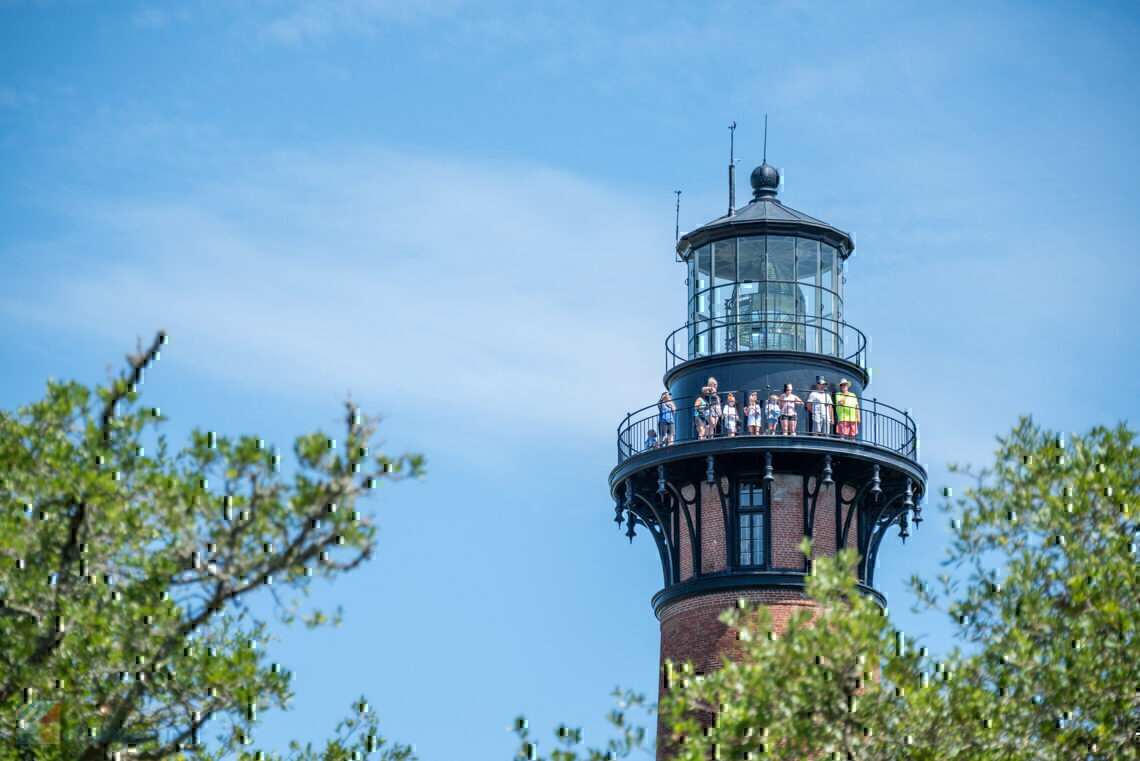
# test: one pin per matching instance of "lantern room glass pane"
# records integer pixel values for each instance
(750, 301)
(724, 297)
(807, 262)
(840, 278)
(701, 306)
(724, 262)
(691, 281)
(807, 275)
(723, 301)
(833, 328)
(781, 258)
(701, 338)
(781, 314)
(828, 267)
(750, 316)
(704, 268)
(750, 257)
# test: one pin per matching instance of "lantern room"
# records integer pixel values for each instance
(766, 277)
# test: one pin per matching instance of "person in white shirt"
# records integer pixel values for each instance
(819, 405)
(731, 417)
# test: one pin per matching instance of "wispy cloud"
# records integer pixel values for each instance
(304, 21)
(493, 287)
(154, 17)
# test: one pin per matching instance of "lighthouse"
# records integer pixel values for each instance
(769, 432)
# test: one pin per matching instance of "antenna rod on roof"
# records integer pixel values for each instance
(731, 169)
(677, 227)
(765, 159)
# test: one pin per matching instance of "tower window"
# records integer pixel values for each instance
(751, 524)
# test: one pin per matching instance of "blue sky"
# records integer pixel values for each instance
(462, 214)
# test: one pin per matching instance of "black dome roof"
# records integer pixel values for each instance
(765, 180)
(765, 216)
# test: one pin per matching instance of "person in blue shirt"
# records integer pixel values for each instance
(651, 440)
(666, 419)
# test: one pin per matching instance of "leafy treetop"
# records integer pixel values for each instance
(127, 571)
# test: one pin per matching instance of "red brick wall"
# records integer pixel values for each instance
(823, 529)
(685, 545)
(786, 525)
(691, 632)
(711, 535)
(713, 553)
(853, 531)
(787, 519)
(690, 629)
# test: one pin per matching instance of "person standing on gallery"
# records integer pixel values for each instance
(730, 415)
(788, 402)
(712, 399)
(847, 415)
(755, 414)
(819, 405)
(701, 417)
(772, 411)
(666, 419)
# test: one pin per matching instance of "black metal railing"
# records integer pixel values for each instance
(765, 332)
(876, 423)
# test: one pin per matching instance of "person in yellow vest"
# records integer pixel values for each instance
(846, 411)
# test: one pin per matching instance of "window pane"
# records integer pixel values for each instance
(829, 321)
(807, 261)
(715, 330)
(751, 544)
(750, 312)
(745, 291)
(781, 309)
(702, 304)
(807, 266)
(724, 262)
(749, 302)
(781, 301)
(704, 268)
(758, 540)
(827, 266)
(692, 284)
(807, 277)
(726, 300)
(840, 276)
(702, 338)
(781, 258)
(751, 259)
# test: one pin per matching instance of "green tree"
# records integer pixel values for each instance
(1050, 609)
(127, 572)
(1044, 598)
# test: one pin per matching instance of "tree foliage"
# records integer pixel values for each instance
(1049, 612)
(570, 743)
(128, 569)
(1042, 593)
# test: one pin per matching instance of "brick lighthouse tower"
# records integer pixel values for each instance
(727, 509)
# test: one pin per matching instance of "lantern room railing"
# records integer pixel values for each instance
(879, 425)
(766, 332)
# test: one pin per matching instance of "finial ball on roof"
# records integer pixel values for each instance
(765, 180)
